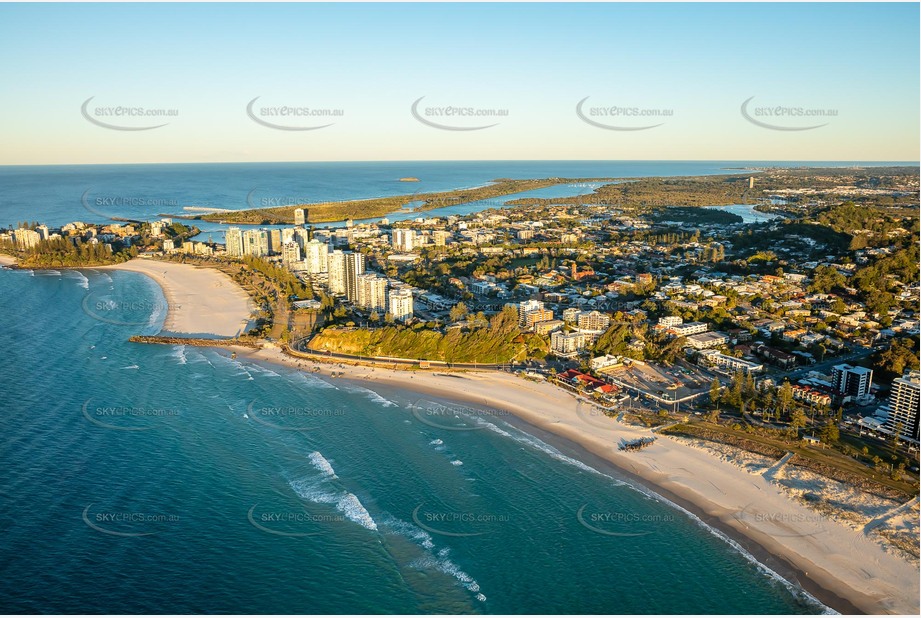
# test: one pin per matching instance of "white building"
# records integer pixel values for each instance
(336, 269)
(689, 328)
(606, 362)
(401, 304)
(300, 216)
(316, 256)
(712, 358)
(567, 344)
(593, 320)
(371, 292)
(233, 237)
(671, 321)
(904, 406)
(256, 242)
(26, 238)
(291, 255)
(702, 341)
(403, 239)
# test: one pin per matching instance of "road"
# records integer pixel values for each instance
(825, 366)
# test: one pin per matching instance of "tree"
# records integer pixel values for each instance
(735, 390)
(458, 312)
(901, 354)
(375, 316)
(785, 396)
(715, 393)
(798, 419)
(896, 433)
(830, 432)
(748, 387)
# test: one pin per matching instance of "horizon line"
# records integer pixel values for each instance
(838, 162)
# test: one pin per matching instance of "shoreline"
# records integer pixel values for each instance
(836, 565)
(201, 302)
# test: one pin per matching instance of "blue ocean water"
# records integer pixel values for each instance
(59, 194)
(144, 478)
(152, 479)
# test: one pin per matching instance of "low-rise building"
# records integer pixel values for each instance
(567, 344)
(702, 341)
(712, 358)
(811, 395)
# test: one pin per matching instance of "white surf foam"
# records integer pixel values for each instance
(155, 314)
(438, 561)
(323, 490)
(446, 566)
(264, 371)
(320, 463)
(81, 279)
(457, 462)
(243, 371)
(179, 354)
(436, 442)
(408, 530)
(375, 397)
(543, 447)
(311, 381)
(131, 367)
(351, 507)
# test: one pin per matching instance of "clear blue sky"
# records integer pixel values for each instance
(537, 61)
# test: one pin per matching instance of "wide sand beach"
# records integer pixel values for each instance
(201, 302)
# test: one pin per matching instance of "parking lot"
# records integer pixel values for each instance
(680, 382)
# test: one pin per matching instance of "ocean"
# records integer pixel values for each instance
(172, 479)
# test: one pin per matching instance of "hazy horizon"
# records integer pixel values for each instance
(552, 82)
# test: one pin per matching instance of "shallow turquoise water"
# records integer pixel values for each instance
(174, 479)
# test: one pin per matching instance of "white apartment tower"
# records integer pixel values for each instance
(234, 240)
(401, 304)
(904, 406)
(371, 292)
(316, 257)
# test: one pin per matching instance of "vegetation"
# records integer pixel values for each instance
(62, 252)
(646, 193)
(497, 340)
(287, 281)
(696, 216)
(902, 354)
(381, 206)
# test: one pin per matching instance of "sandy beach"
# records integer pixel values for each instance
(6, 260)
(837, 563)
(202, 302)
